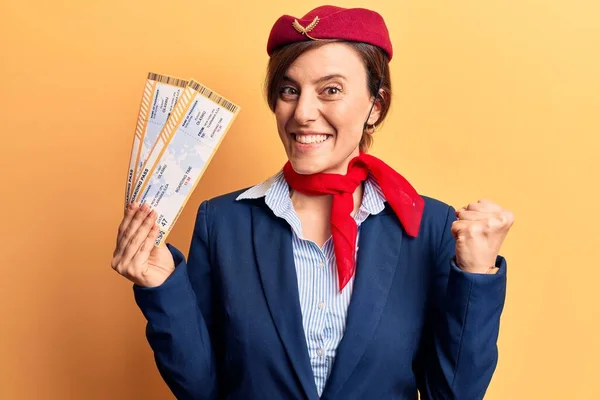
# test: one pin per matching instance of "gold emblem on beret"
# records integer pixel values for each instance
(303, 30)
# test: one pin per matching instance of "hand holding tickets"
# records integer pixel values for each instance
(180, 126)
(136, 257)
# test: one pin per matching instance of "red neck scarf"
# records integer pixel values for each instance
(402, 197)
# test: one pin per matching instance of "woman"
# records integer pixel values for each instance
(333, 278)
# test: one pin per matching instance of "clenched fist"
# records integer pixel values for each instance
(479, 232)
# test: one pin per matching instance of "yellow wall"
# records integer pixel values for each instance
(492, 98)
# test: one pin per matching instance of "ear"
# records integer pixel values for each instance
(376, 112)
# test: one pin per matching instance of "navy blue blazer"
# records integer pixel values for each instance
(227, 323)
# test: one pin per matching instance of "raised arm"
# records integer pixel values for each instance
(459, 352)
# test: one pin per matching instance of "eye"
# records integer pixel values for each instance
(332, 90)
(288, 92)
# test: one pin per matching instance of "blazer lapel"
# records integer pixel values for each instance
(379, 250)
(273, 247)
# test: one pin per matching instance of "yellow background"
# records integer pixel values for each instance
(497, 99)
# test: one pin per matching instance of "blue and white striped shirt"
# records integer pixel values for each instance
(324, 307)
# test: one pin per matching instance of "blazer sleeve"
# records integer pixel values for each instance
(177, 329)
(459, 353)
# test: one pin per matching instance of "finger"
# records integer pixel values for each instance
(502, 220)
(145, 249)
(465, 228)
(457, 227)
(140, 215)
(138, 239)
(485, 201)
(129, 214)
(490, 206)
(472, 215)
(484, 206)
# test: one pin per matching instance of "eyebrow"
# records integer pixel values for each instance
(325, 78)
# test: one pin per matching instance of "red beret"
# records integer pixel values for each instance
(330, 22)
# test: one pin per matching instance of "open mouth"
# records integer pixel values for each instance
(311, 139)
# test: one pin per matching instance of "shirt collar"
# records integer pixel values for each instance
(276, 191)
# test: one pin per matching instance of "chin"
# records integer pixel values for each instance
(309, 166)
(306, 167)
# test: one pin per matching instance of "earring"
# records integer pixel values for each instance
(370, 129)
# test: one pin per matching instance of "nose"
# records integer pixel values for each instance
(307, 109)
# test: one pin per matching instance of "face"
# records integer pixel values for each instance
(322, 106)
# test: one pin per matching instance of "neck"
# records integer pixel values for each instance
(322, 204)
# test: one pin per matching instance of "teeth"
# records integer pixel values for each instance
(310, 139)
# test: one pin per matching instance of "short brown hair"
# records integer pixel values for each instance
(374, 60)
